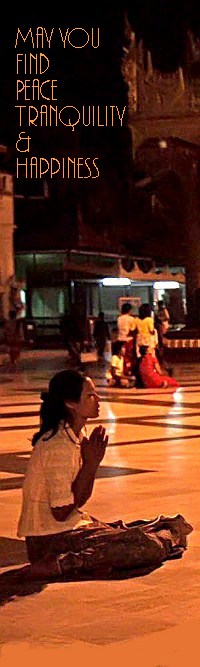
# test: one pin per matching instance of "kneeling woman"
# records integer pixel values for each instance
(61, 538)
(151, 373)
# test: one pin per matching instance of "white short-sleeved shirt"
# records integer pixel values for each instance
(125, 324)
(53, 466)
(118, 364)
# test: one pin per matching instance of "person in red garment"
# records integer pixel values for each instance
(151, 373)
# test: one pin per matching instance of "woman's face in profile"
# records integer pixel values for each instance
(88, 406)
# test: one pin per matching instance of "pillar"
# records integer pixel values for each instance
(192, 249)
(6, 239)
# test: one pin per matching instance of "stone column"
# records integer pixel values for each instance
(192, 248)
(6, 239)
(192, 271)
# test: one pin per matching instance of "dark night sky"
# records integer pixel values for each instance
(163, 24)
(89, 77)
(94, 76)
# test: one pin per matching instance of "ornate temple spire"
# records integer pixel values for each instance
(181, 79)
(192, 49)
(149, 64)
(153, 93)
(129, 66)
(140, 54)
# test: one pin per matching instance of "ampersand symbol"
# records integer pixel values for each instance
(26, 139)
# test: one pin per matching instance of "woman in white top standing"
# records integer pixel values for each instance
(127, 325)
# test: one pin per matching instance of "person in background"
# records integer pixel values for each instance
(162, 314)
(145, 328)
(152, 348)
(72, 333)
(13, 338)
(101, 335)
(127, 328)
(150, 372)
(15, 302)
(115, 373)
(162, 320)
(114, 338)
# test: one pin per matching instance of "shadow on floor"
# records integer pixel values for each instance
(12, 551)
(13, 583)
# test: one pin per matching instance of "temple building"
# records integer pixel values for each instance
(164, 120)
(138, 223)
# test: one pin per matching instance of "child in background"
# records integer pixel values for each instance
(115, 374)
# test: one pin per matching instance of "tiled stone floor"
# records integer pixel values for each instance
(152, 466)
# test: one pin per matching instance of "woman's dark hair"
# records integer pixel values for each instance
(12, 315)
(64, 386)
(126, 307)
(117, 346)
(144, 311)
(143, 350)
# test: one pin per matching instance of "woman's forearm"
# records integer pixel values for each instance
(81, 488)
(92, 450)
(83, 484)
